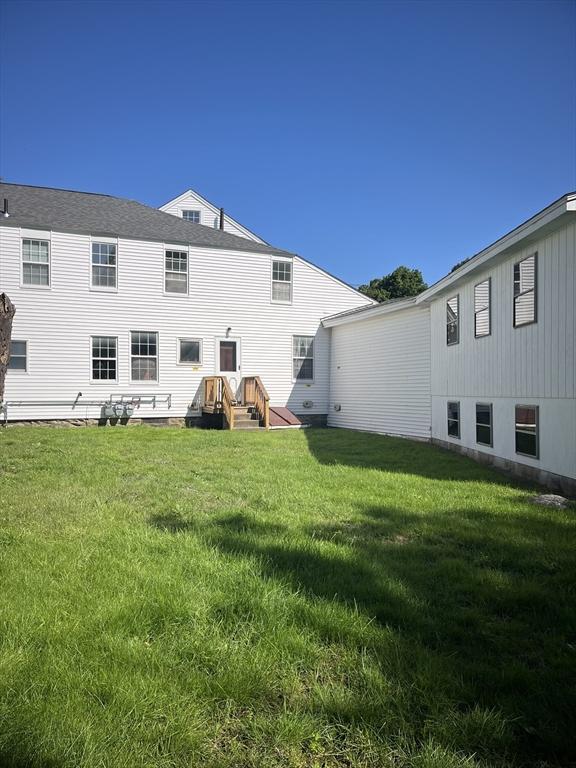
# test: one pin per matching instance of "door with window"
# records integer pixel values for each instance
(228, 360)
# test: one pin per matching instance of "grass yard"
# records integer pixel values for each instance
(310, 599)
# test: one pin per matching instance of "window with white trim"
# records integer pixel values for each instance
(18, 356)
(484, 423)
(454, 419)
(193, 216)
(104, 265)
(35, 262)
(525, 291)
(190, 351)
(526, 430)
(104, 358)
(282, 281)
(144, 356)
(452, 321)
(482, 309)
(303, 358)
(176, 272)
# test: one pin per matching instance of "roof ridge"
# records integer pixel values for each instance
(61, 189)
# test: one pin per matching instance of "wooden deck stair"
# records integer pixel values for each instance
(249, 408)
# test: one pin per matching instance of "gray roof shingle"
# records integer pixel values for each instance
(88, 213)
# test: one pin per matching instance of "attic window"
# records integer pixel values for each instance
(193, 216)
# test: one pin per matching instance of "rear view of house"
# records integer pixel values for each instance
(125, 310)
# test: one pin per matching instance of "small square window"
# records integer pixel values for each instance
(190, 351)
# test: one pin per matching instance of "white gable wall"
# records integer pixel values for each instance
(209, 214)
(227, 289)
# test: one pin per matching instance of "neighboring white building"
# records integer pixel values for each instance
(114, 299)
(483, 362)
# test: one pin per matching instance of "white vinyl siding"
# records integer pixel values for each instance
(35, 262)
(176, 272)
(525, 291)
(282, 281)
(104, 358)
(380, 374)
(482, 309)
(453, 321)
(18, 356)
(303, 358)
(104, 265)
(144, 356)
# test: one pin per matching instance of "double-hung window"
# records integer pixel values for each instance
(104, 358)
(282, 282)
(484, 423)
(144, 356)
(176, 272)
(193, 216)
(303, 358)
(18, 356)
(482, 309)
(454, 419)
(525, 291)
(35, 262)
(104, 265)
(452, 321)
(527, 430)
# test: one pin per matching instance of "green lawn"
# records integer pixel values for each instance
(312, 598)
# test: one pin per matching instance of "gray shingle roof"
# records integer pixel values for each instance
(88, 213)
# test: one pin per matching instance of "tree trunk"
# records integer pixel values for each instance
(7, 310)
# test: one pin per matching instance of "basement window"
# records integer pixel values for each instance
(454, 420)
(527, 430)
(525, 291)
(193, 216)
(303, 358)
(482, 309)
(176, 272)
(104, 358)
(144, 356)
(190, 351)
(484, 424)
(103, 265)
(282, 282)
(36, 262)
(452, 321)
(18, 356)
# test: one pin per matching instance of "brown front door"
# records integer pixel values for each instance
(228, 356)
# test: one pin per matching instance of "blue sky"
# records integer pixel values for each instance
(362, 135)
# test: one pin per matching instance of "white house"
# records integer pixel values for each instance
(128, 304)
(483, 362)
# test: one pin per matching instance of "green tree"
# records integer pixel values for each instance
(398, 284)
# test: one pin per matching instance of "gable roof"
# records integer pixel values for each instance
(214, 209)
(537, 226)
(90, 213)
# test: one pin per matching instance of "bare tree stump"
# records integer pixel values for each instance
(7, 310)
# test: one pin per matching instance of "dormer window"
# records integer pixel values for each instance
(193, 216)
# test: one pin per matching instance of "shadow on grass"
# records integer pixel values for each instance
(480, 598)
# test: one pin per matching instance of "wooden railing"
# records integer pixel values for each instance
(218, 398)
(254, 394)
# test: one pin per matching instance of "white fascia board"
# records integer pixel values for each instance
(367, 313)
